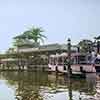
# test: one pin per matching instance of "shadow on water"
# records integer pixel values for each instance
(43, 86)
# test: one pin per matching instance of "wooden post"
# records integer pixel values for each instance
(69, 58)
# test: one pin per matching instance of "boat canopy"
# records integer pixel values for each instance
(76, 58)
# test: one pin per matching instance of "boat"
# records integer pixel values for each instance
(80, 63)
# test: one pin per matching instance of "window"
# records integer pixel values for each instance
(81, 59)
(60, 62)
(51, 61)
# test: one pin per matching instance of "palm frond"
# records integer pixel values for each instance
(41, 35)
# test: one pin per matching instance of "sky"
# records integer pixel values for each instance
(60, 19)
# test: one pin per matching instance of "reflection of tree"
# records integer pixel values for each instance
(28, 89)
(28, 84)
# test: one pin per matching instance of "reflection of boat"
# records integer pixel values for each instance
(97, 95)
(80, 63)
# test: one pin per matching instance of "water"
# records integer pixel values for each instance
(44, 86)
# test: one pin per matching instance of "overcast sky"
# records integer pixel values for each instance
(77, 19)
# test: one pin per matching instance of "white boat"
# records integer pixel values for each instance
(80, 62)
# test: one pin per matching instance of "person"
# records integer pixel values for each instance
(56, 68)
(64, 67)
(82, 70)
(93, 57)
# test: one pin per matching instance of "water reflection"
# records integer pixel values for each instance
(44, 86)
(9, 91)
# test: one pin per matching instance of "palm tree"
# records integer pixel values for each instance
(33, 34)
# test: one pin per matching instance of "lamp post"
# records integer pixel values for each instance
(69, 57)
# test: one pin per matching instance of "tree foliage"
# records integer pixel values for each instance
(97, 38)
(85, 45)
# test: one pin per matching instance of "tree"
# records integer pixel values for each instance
(33, 34)
(85, 45)
(97, 42)
(97, 38)
(10, 50)
(22, 42)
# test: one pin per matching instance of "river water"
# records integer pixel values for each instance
(45, 86)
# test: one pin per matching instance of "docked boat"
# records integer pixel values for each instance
(80, 63)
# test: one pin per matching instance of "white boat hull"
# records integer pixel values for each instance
(75, 68)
